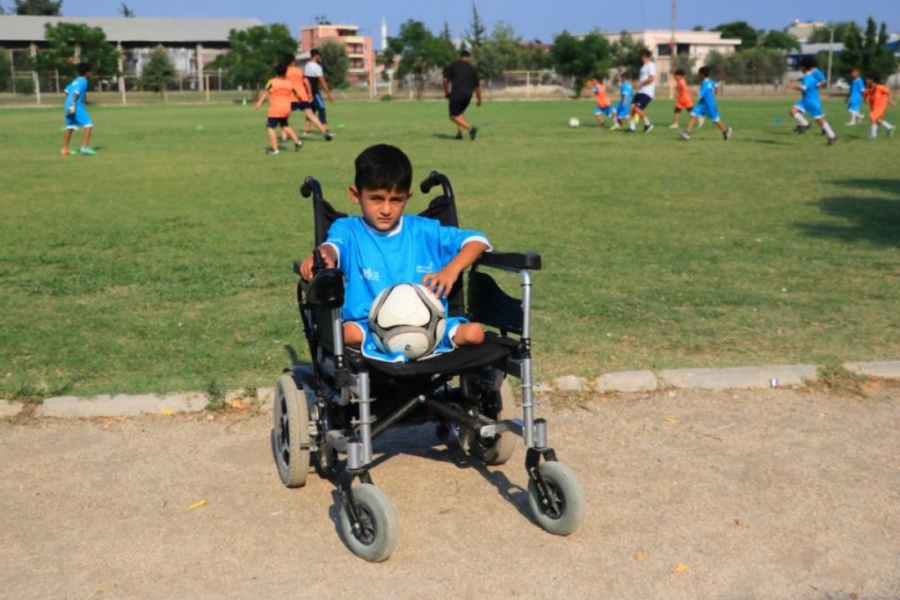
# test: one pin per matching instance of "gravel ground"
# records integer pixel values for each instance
(733, 495)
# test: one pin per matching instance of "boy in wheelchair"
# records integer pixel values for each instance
(350, 395)
(383, 247)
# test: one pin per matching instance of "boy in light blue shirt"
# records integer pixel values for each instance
(706, 106)
(855, 97)
(623, 108)
(384, 247)
(76, 114)
(809, 103)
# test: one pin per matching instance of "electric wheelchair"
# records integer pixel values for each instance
(327, 416)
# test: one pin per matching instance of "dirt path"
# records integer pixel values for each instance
(737, 495)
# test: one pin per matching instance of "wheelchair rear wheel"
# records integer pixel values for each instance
(290, 435)
(563, 513)
(379, 530)
(500, 448)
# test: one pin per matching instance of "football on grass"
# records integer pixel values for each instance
(407, 318)
(574, 122)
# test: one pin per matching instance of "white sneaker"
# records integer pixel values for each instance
(673, 126)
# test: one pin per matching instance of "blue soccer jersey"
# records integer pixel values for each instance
(854, 102)
(624, 104)
(78, 86)
(706, 101)
(75, 111)
(374, 260)
(809, 101)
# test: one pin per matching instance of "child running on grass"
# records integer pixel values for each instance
(280, 93)
(706, 107)
(809, 103)
(602, 99)
(304, 102)
(683, 100)
(624, 106)
(878, 95)
(76, 114)
(855, 97)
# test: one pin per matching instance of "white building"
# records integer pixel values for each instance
(695, 44)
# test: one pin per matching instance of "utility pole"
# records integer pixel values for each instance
(830, 55)
(672, 55)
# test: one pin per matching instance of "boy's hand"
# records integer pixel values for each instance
(306, 267)
(71, 110)
(441, 282)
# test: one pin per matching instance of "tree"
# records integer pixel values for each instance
(822, 35)
(420, 53)
(476, 33)
(501, 52)
(71, 43)
(739, 30)
(335, 63)
(535, 58)
(779, 40)
(5, 69)
(39, 8)
(126, 11)
(580, 59)
(254, 52)
(159, 72)
(625, 55)
(867, 51)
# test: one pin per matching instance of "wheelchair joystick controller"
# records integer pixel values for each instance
(318, 262)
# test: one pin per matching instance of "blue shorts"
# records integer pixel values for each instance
(302, 106)
(273, 122)
(812, 109)
(603, 110)
(370, 350)
(702, 110)
(621, 110)
(80, 118)
(854, 105)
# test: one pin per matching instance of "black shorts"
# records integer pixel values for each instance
(458, 107)
(301, 106)
(273, 122)
(642, 101)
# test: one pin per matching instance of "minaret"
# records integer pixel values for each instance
(384, 35)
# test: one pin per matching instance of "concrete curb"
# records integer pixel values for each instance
(623, 381)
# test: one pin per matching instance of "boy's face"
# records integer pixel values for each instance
(381, 209)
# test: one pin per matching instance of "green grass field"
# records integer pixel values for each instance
(163, 262)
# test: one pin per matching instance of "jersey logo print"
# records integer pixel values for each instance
(370, 275)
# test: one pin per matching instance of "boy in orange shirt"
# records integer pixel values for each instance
(878, 95)
(602, 99)
(304, 101)
(683, 100)
(280, 93)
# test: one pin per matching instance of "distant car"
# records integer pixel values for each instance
(841, 84)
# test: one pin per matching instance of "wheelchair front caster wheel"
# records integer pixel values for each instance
(376, 537)
(563, 510)
(290, 434)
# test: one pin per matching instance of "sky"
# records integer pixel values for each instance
(531, 20)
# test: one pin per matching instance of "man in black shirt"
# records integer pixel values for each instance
(460, 82)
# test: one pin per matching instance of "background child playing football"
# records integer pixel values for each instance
(878, 96)
(384, 247)
(280, 93)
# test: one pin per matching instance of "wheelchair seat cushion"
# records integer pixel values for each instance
(494, 349)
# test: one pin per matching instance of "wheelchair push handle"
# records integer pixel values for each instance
(436, 178)
(311, 187)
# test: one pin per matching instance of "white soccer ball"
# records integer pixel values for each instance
(407, 318)
(574, 122)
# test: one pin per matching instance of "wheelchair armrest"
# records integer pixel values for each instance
(326, 290)
(515, 261)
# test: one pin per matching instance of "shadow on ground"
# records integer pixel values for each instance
(866, 217)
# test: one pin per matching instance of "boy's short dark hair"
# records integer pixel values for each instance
(84, 68)
(289, 59)
(383, 167)
(679, 72)
(464, 53)
(808, 62)
(314, 52)
(625, 76)
(874, 77)
(704, 71)
(281, 69)
(646, 53)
